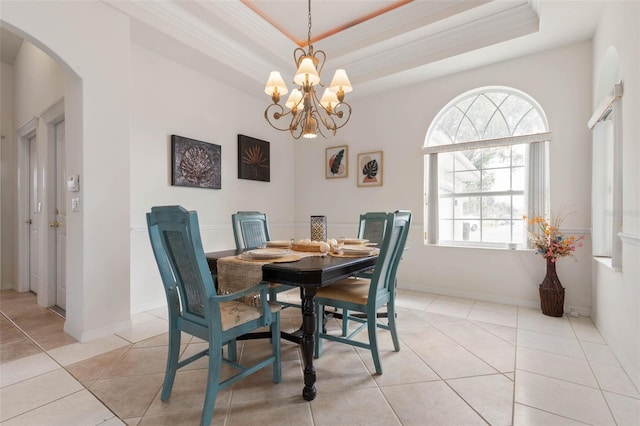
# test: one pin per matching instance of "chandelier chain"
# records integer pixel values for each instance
(309, 33)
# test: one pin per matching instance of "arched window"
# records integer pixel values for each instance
(486, 167)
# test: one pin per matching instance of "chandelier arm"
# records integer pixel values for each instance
(322, 114)
(278, 114)
(320, 62)
(298, 54)
(342, 110)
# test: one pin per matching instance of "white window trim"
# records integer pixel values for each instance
(611, 105)
(537, 180)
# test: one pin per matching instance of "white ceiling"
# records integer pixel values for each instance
(413, 41)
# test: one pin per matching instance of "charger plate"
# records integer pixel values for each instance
(266, 254)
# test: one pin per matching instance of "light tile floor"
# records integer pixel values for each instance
(462, 362)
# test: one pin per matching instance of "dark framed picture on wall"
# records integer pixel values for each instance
(370, 168)
(195, 163)
(336, 163)
(254, 159)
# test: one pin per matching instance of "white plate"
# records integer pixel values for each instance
(279, 243)
(357, 250)
(355, 241)
(268, 253)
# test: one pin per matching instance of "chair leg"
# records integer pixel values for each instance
(275, 346)
(391, 311)
(345, 322)
(172, 362)
(213, 384)
(373, 341)
(319, 323)
(232, 351)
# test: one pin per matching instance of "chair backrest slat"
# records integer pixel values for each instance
(250, 229)
(177, 246)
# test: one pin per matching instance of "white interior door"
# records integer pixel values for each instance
(61, 219)
(33, 215)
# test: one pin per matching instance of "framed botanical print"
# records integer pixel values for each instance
(195, 163)
(370, 168)
(336, 164)
(254, 159)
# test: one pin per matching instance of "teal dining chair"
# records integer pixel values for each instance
(195, 309)
(367, 296)
(371, 226)
(250, 231)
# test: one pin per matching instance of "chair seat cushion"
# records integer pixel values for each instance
(234, 313)
(354, 290)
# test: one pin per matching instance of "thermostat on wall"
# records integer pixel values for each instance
(73, 184)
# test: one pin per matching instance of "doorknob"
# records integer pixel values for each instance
(54, 224)
(28, 222)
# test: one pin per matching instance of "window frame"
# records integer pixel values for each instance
(536, 162)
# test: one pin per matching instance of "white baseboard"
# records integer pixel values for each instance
(86, 336)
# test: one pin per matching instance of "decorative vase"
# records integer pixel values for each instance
(552, 292)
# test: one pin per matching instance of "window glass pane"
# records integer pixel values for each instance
(496, 231)
(497, 127)
(496, 97)
(446, 230)
(480, 113)
(531, 123)
(518, 154)
(464, 104)
(517, 178)
(514, 108)
(467, 208)
(496, 157)
(518, 231)
(496, 207)
(496, 180)
(467, 230)
(466, 131)
(449, 123)
(445, 208)
(469, 160)
(518, 207)
(467, 182)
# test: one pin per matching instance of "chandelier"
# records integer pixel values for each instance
(307, 115)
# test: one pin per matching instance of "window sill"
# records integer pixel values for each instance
(606, 262)
(497, 247)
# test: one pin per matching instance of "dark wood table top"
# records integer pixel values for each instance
(310, 271)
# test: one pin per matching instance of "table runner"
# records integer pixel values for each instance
(235, 273)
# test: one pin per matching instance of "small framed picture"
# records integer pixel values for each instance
(336, 163)
(370, 168)
(254, 159)
(195, 163)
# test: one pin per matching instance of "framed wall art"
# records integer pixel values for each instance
(336, 163)
(370, 168)
(195, 163)
(254, 159)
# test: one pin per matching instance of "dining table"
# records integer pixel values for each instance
(309, 274)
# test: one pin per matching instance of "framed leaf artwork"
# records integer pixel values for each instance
(337, 162)
(195, 163)
(254, 159)
(370, 168)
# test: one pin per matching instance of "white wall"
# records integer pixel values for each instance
(616, 304)
(90, 41)
(397, 122)
(8, 255)
(169, 98)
